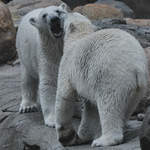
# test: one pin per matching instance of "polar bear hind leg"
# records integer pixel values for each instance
(90, 125)
(112, 121)
(29, 93)
(114, 102)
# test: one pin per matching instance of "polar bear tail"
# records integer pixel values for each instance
(142, 83)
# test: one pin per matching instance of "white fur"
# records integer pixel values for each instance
(109, 69)
(40, 54)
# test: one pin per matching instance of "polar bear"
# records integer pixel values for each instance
(109, 69)
(40, 46)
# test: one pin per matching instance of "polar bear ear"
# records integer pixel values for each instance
(63, 6)
(34, 22)
(95, 28)
(72, 27)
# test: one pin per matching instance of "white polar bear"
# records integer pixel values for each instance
(40, 46)
(107, 67)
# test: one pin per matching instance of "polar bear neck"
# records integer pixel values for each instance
(51, 48)
(80, 31)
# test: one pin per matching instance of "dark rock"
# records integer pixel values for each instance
(140, 7)
(145, 132)
(7, 34)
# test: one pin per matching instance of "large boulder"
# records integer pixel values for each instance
(98, 11)
(74, 3)
(7, 34)
(125, 9)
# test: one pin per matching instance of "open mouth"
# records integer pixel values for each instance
(56, 27)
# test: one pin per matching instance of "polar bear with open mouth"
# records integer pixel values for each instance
(39, 43)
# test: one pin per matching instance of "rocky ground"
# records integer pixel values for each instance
(27, 131)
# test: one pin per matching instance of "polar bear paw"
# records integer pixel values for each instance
(108, 140)
(28, 106)
(50, 121)
(68, 136)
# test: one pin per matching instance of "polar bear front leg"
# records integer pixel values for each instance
(112, 118)
(29, 88)
(47, 100)
(64, 115)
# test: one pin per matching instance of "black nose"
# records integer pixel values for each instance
(55, 20)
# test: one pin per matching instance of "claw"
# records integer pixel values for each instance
(27, 109)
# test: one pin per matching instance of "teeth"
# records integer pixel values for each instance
(57, 34)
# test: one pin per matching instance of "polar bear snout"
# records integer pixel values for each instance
(55, 26)
(55, 20)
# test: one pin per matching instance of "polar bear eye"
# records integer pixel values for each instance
(58, 12)
(44, 16)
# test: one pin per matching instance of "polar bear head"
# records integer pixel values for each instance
(77, 23)
(51, 20)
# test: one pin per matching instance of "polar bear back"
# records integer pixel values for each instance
(109, 55)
